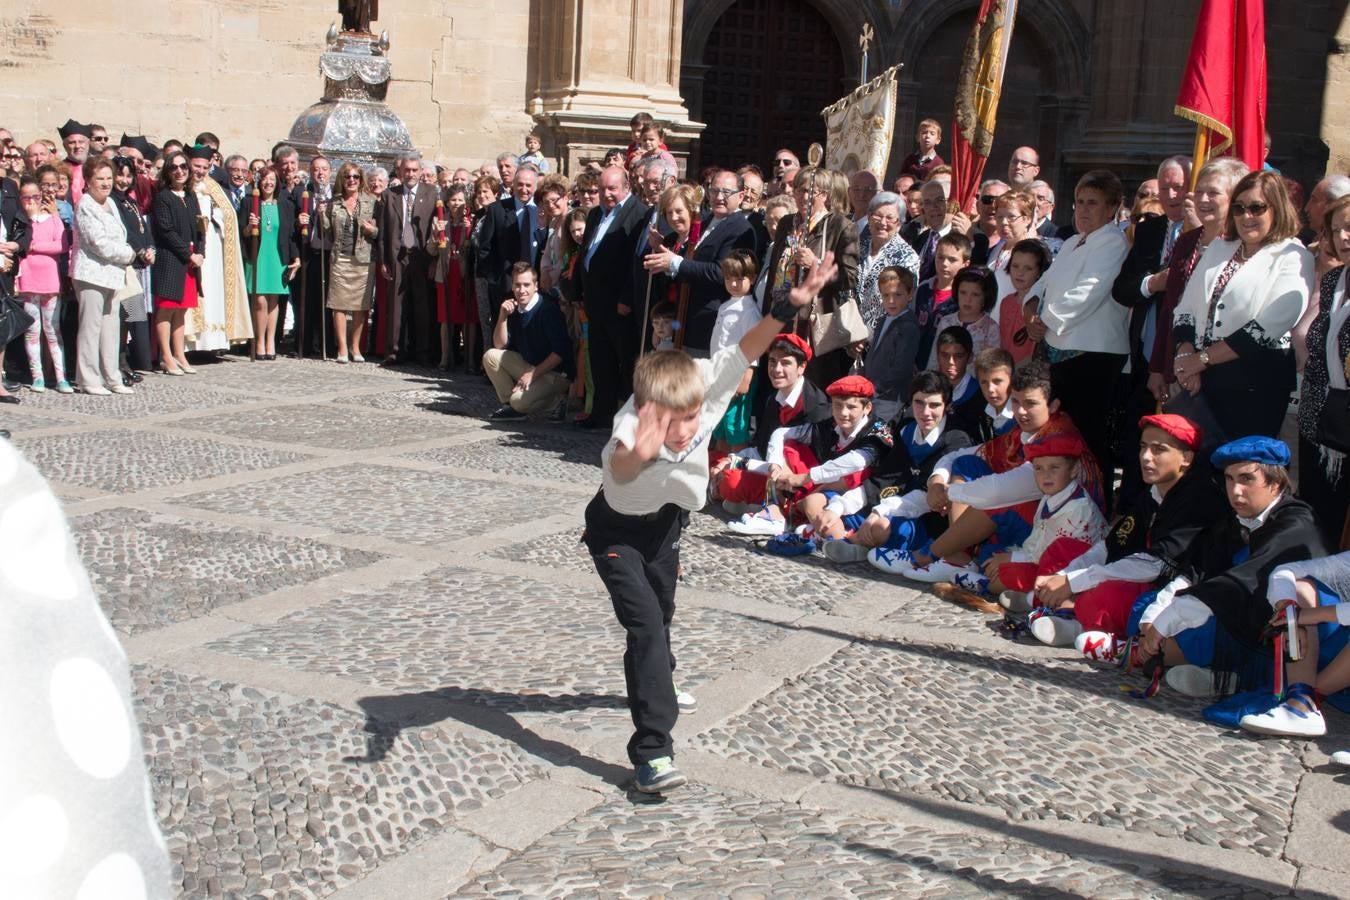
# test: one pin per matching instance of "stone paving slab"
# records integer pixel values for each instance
(157, 395)
(548, 456)
(1039, 739)
(717, 844)
(715, 559)
(553, 653)
(153, 570)
(460, 398)
(19, 419)
(261, 794)
(419, 507)
(329, 427)
(123, 460)
(289, 377)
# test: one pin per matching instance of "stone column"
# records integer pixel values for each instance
(602, 61)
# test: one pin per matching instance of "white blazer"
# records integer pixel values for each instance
(1075, 292)
(1271, 289)
(102, 253)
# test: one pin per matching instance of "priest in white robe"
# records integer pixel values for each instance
(222, 316)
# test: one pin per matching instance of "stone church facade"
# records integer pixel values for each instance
(1090, 82)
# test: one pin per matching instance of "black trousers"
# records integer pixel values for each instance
(1324, 487)
(1086, 387)
(638, 558)
(613, 353)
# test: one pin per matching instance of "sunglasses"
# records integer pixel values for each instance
(724, 192)
(782, 162)
(1255, 209)
(988, 199)
(352, 176)
(178, 167)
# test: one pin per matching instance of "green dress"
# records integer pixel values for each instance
(271, 268)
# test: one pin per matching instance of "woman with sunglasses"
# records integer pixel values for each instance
(350, 219)
(1231, 329)
(177, 223)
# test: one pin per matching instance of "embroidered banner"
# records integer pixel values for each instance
(860, 127)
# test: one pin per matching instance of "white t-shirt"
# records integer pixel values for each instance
(735, 318)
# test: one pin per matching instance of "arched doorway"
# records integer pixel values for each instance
(771, 66)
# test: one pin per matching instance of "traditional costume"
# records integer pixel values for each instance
(222, 317)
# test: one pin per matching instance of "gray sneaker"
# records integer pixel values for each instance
(845, 551)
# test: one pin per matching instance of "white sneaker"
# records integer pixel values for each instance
(685, 701)
(1287, 721)
(1341, 757)
(96, 391)
(758, 525)
(1100, 646)
(1056, 631)
(937, 570)
(1196, 681)
(1015, 601)
(732, 508)
(120, 389)
(889, 560)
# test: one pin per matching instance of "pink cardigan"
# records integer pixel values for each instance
(38, 272)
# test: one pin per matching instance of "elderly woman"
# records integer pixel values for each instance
(679, 204)
(351, 220)
(1232, 326)
(820, 226)
(1323, 481)
(102, 255)
(880, 247)
(1085, 331)
(1013, 213)
(177, 223)
(1205, 218)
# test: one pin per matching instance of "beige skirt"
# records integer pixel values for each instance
(350, 284)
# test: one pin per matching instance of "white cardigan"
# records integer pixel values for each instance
(102, 253)
(1075, 292)
(1271, 289)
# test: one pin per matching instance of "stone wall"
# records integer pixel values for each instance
(246, 68)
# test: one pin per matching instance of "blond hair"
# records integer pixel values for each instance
(668, 378)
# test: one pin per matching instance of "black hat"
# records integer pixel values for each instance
(73, 127)
(148, 150)
(127, 140)
(199, 151)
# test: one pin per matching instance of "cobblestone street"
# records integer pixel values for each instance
(371, 660)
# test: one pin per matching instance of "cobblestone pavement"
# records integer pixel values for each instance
(371, 659)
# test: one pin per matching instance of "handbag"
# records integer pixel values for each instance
(841, 328)
(14, 320)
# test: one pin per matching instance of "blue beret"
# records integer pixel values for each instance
(1267, 451)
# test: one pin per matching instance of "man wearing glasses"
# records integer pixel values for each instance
(724, 232)
(98, 139)
(1024, 167)
(785, 168)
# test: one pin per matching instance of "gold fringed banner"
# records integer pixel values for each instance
(861, 125)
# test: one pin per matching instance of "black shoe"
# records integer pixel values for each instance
(9, 398)
(506, 412)
(10, 386)
(4, 435)
(129, 378)
(559, 413)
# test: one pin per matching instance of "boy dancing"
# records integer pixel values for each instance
(655, 472)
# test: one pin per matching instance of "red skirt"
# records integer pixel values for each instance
(450, 307)
(189, 300)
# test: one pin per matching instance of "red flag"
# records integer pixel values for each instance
(1223, 89)
(977, 92)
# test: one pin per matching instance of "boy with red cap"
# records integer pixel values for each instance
(1144, 549)
(1066, 524)
(795, 401)
(810, 463)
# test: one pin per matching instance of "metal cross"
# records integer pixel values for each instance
(865, 41)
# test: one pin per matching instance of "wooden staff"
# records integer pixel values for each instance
(695, 232)
(300, 311)
(253, 233)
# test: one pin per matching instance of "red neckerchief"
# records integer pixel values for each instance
(787, 413)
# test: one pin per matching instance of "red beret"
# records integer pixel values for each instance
(1183, 429)
(851, 386)
(797, 341)
(1067, 444)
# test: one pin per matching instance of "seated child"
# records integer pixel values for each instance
(1319, 591)
(889, 363)
(994, 371)
(1207, 624)
(1145, 547)
(735, 317)
(654, 472)
(925, 158)
(532, 153)
(976, 292)
(794, 401)
(990, 492)
(809, 463)
(895, 497)
(933, 299)
(953, 363)
(1030, 258)
(1066, 524)
(663, 327)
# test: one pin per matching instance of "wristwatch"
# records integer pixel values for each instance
(1204, 358)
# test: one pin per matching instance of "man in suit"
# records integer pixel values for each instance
(608, 254)
(238, 185)
(315, 251)
(511, 234)
(405, 228)
(725, 231)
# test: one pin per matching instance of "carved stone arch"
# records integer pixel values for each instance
(845, 16)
